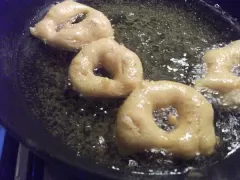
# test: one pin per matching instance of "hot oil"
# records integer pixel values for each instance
(170, 40)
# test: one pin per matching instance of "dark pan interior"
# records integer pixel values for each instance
(39, 108)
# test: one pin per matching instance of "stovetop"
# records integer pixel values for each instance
(18, 163)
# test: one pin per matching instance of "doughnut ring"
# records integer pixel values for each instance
(123, 64)
(219, 64)
(58, 29)
(194, 132)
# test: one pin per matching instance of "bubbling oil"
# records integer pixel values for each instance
(170, 40)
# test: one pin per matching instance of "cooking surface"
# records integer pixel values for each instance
(170, 41)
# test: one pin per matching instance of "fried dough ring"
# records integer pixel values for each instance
(136, 130)
(123, 64)
(57, 30)
(219, 64)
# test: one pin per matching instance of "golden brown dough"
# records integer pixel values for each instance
(57, 28)
(136, 130)
(123, 64)
(219, 66)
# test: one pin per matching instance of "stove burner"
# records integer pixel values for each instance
(18, 163)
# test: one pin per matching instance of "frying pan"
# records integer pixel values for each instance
(19, 120)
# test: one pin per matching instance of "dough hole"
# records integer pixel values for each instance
(236, 70)
(60, 27)
(79, 18)
(164, 118)
(102, 72)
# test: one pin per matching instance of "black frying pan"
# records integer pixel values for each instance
(27, 66)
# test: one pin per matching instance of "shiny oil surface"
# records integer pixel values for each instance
(170, 39)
